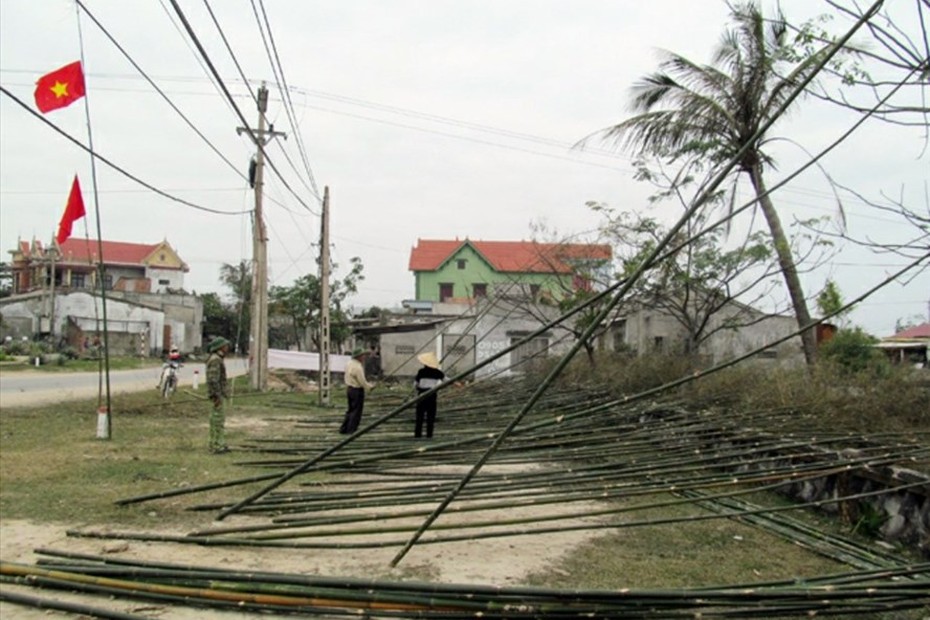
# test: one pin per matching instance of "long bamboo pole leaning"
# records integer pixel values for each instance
(646, 264)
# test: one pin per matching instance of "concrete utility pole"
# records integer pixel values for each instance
(52, 252)
(258, 350)
(325, 376)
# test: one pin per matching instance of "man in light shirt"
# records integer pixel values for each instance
(356, 384)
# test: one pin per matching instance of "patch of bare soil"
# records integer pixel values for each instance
(491, 561)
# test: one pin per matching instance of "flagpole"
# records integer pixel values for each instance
(100, 266)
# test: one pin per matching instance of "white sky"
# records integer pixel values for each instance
(426, 118)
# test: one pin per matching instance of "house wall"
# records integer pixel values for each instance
(649, 331)
(122, 272)
(164, 279)
(729, 343)
(183, 314)
(476, 270)
(489, 330)
(399, 350)
(126, 322)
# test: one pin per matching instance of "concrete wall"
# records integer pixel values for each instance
(173, 278)
(183, 314)
(471, 334)
(399, 350)
(129, 325)
(649, 330)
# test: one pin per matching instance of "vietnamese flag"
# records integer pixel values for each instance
(74, 211)
(60, 88)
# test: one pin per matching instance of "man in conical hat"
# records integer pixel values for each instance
(427, 378)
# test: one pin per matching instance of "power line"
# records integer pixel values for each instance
(282, 85)
(228, 95)
(231, 53)
(111, 164)
(247, 83)
(136, 66)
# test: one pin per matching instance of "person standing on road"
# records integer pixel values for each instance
(356, 384)
(218, 391)
(427, 378)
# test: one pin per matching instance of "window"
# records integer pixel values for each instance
(108, 282)
(534, 291)
(535, 349)
(479, 290)
(445, 291)
(658, 344)
(78, 280)
(460, 263)
(164, 282)
(619, 332)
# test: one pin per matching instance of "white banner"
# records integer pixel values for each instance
(301, 360)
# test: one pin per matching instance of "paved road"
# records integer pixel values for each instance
(24, 388)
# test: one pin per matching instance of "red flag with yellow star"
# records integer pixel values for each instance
(60, 88)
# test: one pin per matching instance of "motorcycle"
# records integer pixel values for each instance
(169, 379)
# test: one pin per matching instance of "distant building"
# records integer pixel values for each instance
(909, 346)
(55, 294)
(735, 329)
(130, 267)
(454, 270)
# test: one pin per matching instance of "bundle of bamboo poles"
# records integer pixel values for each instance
(871, 591)
(580, 460)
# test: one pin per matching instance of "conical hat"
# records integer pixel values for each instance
(428, 359)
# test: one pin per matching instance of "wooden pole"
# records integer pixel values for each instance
(325, 375)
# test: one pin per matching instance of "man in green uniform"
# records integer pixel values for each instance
(218, 390)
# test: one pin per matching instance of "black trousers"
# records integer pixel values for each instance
(356, 398)
(426, 408)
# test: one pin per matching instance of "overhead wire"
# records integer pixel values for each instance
(109, 163)
(287, 157)
(216, 76)
(278, 71)
(145, 75)
(229, 49)
(247, 82)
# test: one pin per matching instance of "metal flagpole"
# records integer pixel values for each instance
(104, 431)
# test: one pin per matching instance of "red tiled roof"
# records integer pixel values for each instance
(83, 251)
(918, 331)
(508, 256)
(114, 252)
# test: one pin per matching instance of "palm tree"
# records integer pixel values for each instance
(718, 109)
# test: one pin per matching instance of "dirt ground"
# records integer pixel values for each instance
(495, 561)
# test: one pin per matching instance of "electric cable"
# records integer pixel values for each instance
(222, 84)
(112, 165)
(282, 85)
(145, 75)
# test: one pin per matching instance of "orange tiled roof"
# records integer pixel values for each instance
(918, 331)
(114, 252)
(508, 256)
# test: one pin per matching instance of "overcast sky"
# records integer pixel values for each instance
(426, 119)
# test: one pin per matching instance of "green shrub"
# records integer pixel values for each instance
(854, 351)
(17, 347)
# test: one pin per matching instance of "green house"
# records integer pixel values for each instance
(456, 270)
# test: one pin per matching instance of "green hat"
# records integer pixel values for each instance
(216, 344)
(357, 352)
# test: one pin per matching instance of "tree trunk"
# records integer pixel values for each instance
(788, 268)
